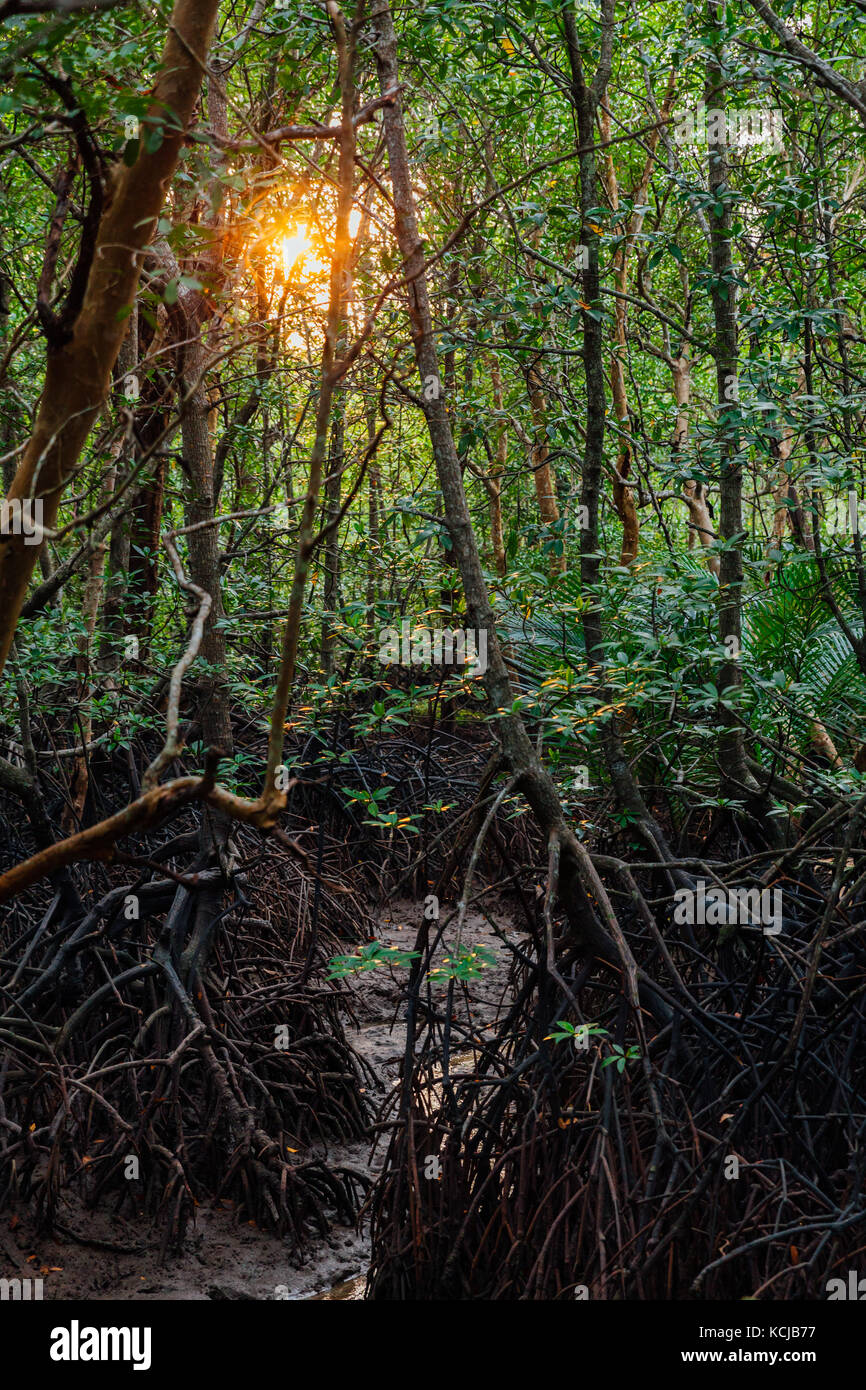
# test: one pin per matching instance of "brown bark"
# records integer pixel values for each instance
(623, 496)
(789, 514)
(204, 553)
(78, 370)
(93, 591)
(545, 486)
(118, 542)
(374, 512)
(542, 473)
(823, 744)
(694, 493)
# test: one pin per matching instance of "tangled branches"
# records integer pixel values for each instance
(724, 1159)
(155, 1055)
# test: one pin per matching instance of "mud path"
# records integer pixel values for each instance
(223, 1258)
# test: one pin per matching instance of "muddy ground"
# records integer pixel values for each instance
(98, 1257)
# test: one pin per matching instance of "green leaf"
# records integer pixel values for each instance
(372, 956)
(466, 963)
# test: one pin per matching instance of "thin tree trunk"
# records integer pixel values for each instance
(331, 510)
(542, 473)
(789, 515)
(374, 485)
(586, 98)
(93, 590)
(495, 475)
(333, 370)
(204, 553)
(119, 542)
(694, 493)
(623, 496)
(733, 755)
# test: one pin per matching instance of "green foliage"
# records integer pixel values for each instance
(578, 1033)
(620, 1057)
(464, 963)
(488, 112)
(370, 957)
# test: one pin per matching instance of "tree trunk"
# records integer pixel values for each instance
(542, 473)
(732, 750)
(374, 511)
(336, 461)
(93, 590)
(694, 493)
(119, 542)
(494, 480)
(623, 496)
(78, 371)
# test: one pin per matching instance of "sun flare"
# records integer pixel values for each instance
(295, 247)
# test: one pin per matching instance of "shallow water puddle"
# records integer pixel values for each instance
(347, 1289)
